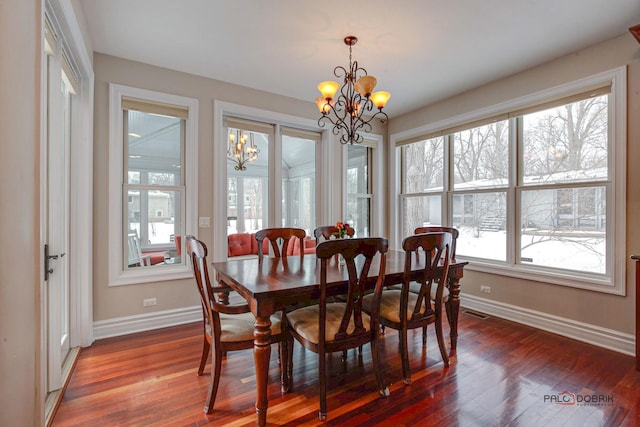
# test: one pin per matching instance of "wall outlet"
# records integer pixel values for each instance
(485, 289)
(204, 222)
(147, 302)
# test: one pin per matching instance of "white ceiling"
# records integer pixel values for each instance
(421, 51)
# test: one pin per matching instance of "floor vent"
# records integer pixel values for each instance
(476, 314)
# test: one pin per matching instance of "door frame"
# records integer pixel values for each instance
(80, 245)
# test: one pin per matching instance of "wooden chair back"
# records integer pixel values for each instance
(280, 238)
(214, 299)
(350, 249)
(328, 231)
(441, 229)
(436, 250)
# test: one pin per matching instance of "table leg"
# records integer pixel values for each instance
(453, 309)
(261, 355)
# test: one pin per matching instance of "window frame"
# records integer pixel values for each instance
(221, 111)
(376, 181)
(300, 178)
(119, 274)
(613, 282)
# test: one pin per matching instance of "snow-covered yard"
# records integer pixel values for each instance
(574, 253)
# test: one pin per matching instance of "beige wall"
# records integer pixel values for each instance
(20, 217)
(608, 311)
(118, 301)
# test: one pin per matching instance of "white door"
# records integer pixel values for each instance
(59, 104)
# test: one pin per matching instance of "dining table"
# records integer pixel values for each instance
(270, 285)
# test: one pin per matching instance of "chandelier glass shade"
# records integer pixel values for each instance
(242, 149)
(350, 111)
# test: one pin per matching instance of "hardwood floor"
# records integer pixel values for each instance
(506, 375)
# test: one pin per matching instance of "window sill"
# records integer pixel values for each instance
(157, 273)
(571, 279)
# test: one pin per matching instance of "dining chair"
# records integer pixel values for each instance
(279, 239)
(415, 287)
(327, 231)
(228, 327)
(402, 309)
(322, 234)
(329, 327)
(452, 259)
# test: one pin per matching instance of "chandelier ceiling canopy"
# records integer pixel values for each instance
(349, 111)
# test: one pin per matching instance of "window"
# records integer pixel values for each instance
(541, 185)
(359, 188)
(564, 185)
(153, 183)
(152, 167)
(422, 183)
(481, 162)
(250, 190)
(299, 178)
(247, 189)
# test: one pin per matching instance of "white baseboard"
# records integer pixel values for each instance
(596, 335)
(145, 322)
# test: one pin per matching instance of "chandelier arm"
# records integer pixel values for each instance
(340, 72)
(381, 113)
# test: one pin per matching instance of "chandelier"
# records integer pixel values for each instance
(349, 111)
(239, 152)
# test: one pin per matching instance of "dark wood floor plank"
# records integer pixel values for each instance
(504, 376)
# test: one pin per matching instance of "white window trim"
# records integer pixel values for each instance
(118, 275)
(616, 283)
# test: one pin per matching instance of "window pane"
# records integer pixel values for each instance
(357, 169)
(481, 220)
(160, 211)
(423, 166)
(420, 211)
(567, 143)
(359, 194)
(154, 146)
(481, 156)
(359, 214)
(564, 228)
(247, 189)
(298, 183)
(254, 204)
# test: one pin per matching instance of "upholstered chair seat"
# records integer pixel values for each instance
(240, 327)
(390, 304)
(305, 321)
